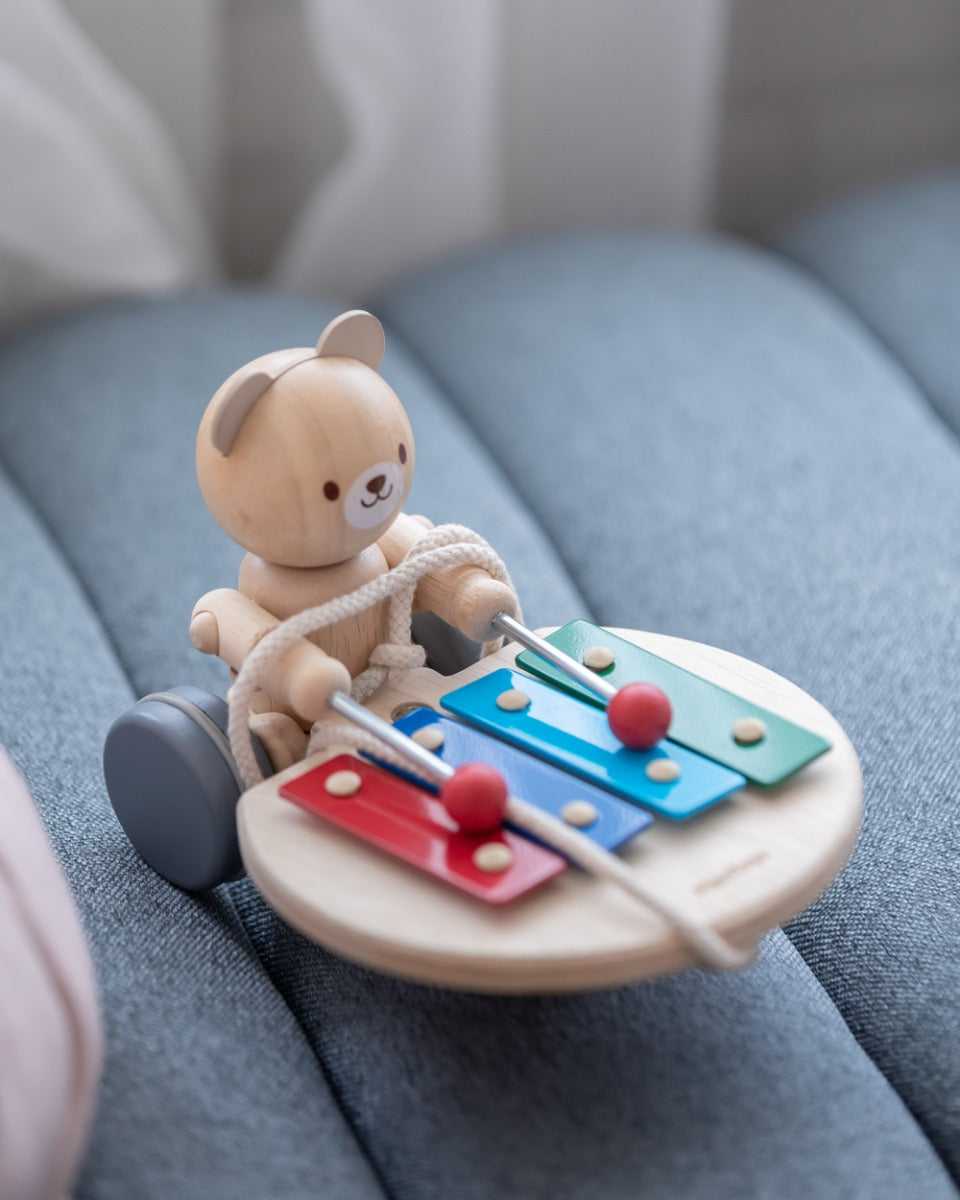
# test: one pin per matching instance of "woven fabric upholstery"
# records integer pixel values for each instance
(720, 449)
(893, 256)
(659, 433)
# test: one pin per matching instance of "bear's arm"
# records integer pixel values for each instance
(228, 624)
(466, 597)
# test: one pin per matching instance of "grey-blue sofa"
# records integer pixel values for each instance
(752, 448)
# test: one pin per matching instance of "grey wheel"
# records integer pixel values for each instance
(174, 786)
(448, 650)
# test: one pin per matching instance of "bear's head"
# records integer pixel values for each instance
(305, 457)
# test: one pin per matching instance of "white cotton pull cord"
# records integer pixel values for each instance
(710, 948)
(443, 546)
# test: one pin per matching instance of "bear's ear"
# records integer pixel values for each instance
(355, 334)
(243, 389)
(233, 404)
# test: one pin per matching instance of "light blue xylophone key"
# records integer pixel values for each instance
(575, 736)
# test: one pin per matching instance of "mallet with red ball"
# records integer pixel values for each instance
(474, 794)
(638, 713)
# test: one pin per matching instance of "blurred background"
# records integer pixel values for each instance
(330, 145)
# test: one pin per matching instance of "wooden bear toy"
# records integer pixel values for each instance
(603, 806)
(305, 457)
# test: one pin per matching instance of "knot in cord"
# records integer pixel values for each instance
(387, 657)
(396, 657)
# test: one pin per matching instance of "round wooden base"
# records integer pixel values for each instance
(744, 866)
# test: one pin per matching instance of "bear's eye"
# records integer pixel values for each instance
(403, 454)
(330, 490)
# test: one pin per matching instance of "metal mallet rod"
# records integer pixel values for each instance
(474, 794)
(638, 713)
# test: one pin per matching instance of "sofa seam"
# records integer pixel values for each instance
(885, 349)
(54, 542)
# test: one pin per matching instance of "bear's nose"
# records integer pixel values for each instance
(374, 485)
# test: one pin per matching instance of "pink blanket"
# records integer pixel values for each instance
(51, 1043)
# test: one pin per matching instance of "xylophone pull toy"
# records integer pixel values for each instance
(597, 808)
(639, 714)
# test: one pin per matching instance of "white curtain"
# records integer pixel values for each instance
(92, 198)
(417, 83)
(464, 120)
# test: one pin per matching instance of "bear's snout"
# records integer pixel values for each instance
(374, 496)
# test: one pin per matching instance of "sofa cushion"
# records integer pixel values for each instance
(894, 258)
(719, 449)
(698, 1085)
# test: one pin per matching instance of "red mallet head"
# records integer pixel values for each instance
(639, 715)
(476, 797)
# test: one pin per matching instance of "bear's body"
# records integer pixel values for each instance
(285, 591)
(305, 458)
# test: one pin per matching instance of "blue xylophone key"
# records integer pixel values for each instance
(575, 736)
(531, 779)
